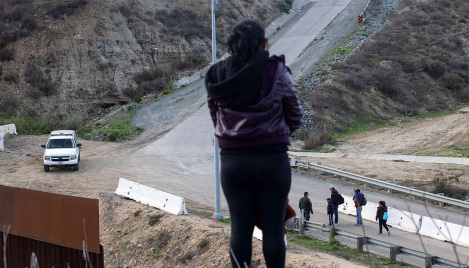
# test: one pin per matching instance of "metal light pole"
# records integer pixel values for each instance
(217, 214)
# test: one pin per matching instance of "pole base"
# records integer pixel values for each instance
(218, 216)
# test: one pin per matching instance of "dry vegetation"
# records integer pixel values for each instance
(417, 64)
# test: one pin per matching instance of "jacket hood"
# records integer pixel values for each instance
(234, 85)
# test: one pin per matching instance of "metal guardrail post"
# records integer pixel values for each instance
(302, 223)
(429, 261)
(393, 252)
(331, 232)
(360, 242)
(441, 203)
(390, 190)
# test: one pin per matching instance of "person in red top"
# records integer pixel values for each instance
(379, 216)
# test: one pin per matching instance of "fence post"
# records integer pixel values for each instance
(393, 251)
(320, 172)
(441, 203)
(331, 232)
(302, 223)
(390, 190)
(360, 242)
(429, 261)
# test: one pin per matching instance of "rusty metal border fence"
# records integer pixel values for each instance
(40, 229)
(25, 252)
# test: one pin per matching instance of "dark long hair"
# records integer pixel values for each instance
(245, 40)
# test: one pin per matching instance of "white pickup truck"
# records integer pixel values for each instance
(62, 149)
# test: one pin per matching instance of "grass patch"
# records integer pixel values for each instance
(137, 213)
(335, 248)
(117, 129)
(319, 149)
(154, 219)
(29, 125)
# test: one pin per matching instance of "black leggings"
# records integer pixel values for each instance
(256, 184)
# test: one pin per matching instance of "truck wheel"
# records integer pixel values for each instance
(46, 168)
(75, 167)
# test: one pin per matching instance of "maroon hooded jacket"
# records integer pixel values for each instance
(273, 114)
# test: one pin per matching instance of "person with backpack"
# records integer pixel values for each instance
(360, 201)
(382, 216)
(338, 200)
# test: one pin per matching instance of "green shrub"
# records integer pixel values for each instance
(9, 103)
(435, 68)
(284, 6)
(204, 243)
(192, 59)
(10, 78)
(65, 7)
(30, 125)
(455, 81)
(154, 219)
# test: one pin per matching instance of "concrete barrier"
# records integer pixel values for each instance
(6, 129)
(152, 197)
(348, 207)
(445, 231)
(369, 211)
(404, 220)
(398, 219)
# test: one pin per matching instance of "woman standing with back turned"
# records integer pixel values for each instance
(254, 108)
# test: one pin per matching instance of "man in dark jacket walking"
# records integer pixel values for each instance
(335, 200)
(306, 206)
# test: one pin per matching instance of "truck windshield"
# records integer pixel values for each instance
(60, 143)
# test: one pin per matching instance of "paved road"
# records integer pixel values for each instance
(296, 39)
(182, 132)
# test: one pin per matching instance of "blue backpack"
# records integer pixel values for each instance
(385, 216)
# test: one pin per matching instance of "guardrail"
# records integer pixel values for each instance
(394, 250)
(388, 185)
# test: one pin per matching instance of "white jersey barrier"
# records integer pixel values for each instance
(411, 222)
(404, 220)
(152, 197)
(445, 231)
(6, 129)
(348, 207)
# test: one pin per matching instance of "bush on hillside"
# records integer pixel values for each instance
(183, 22)
(9, 103)
(66, 7)
(35, 78)
(417, 63)
(6, 54)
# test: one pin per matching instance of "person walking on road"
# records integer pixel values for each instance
(306, 206)
(335, 200)
(382, 217)
(254, 108)
(358, 206)
(330, 211)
